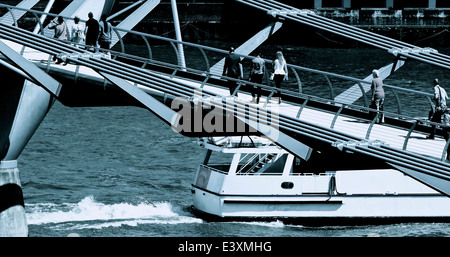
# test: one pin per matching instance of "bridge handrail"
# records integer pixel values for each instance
(330, 102)
(178, 89)
(292, 66)
(289, 92)
(303, 96)
(331, 74)
(268, 88)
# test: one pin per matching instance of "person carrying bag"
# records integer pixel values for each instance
(440, 107)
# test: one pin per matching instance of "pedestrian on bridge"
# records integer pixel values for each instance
(92, 32)
(446, 120)
(61, 33)
(256, 76)
(60, 28)
(440, 106)
(77, 32)
(377, 95)
(105, 35)
(280, 73)
(232, 69)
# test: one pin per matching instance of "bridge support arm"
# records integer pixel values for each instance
(439, 182)
(133, 19)
(161, 110)
(272, 131)
(34, 72)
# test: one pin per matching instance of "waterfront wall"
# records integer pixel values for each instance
(232, 12)
(232, 21)
(381, 17)
(228, 20)
(419, 26)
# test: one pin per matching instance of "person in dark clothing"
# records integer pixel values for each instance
(256, 76)
(92, 31)
(446, 137)
(446, 121)
(232, 69)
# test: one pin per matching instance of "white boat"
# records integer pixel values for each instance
(250, 178)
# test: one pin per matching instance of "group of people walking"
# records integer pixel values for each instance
(233, 69)
(93, 35)
(438, 114)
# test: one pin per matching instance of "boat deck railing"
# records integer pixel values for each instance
(219, 168)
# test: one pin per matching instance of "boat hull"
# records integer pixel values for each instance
(315, 199)
(316, 210)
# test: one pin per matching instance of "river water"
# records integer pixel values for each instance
(120, 171)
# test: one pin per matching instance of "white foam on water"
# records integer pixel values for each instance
(108, 215)
(271, 224)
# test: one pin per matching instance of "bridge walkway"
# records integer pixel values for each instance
(359, 127)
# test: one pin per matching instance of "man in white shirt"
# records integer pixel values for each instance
(440, 101)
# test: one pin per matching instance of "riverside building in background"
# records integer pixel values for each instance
(409, 21)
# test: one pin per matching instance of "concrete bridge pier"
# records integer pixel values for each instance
(23, 106)
(12, 209)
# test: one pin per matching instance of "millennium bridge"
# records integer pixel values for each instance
(186, 94)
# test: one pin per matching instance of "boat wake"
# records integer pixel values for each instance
(270, 224)
(91, 214)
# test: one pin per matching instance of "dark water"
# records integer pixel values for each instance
(120, 171)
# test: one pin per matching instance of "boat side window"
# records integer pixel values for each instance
(219, 161)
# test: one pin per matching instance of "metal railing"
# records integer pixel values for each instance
(41, 43)
(260, 160)
(211, 168)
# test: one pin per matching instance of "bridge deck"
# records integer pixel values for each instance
(393, 136)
